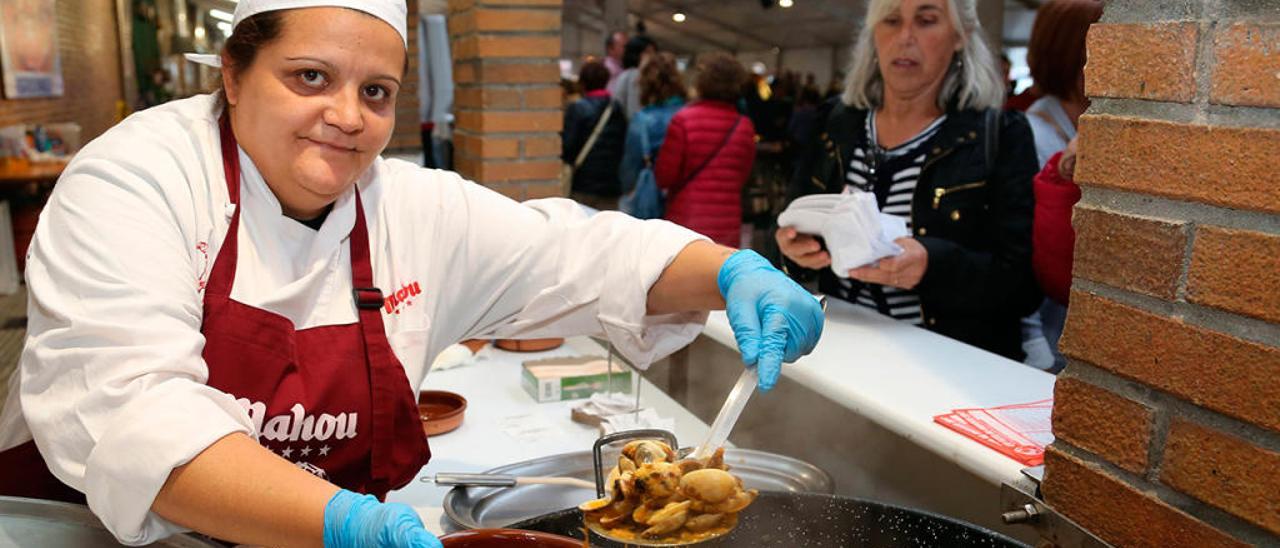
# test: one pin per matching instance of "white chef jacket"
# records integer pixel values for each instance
(111, 383)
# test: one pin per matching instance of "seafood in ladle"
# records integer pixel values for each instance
(650, 495)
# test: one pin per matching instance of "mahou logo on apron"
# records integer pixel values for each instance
(299, 436)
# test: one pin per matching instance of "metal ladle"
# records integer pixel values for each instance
(597, 455)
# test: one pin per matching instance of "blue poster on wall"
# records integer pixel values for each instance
(29, 49)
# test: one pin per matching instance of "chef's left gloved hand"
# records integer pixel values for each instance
(773, 318)
(354, 520)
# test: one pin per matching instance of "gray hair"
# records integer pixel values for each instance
(973, 82)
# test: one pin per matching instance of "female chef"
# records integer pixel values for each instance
(234, 299)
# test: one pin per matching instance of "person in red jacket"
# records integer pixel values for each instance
(707, 155)
(1053, 238)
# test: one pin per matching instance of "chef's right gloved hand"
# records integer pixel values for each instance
(352, 520)
(774, 319)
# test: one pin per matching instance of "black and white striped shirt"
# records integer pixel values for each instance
(890, 174)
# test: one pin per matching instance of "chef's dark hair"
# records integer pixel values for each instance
(253, 34)
(241, 48)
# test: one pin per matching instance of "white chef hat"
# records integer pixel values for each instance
(394, 12)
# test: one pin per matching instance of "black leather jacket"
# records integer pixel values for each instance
(599, 171)
(974, 222)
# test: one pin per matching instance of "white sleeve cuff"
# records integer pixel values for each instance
(640, 338)
(158, 431)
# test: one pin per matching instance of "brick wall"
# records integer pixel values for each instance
(90, 50)
(407, 137)
(1168, 415)
(507, 99)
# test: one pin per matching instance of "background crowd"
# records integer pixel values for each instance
(926, 120)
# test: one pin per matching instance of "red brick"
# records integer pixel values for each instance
(502, 45)
(489, 147)
(515, 191)
(535, 147)
(501, 172)
(464, 72)
(1135, 253)
(543, 97)
(1102, 422)
(519, 73)
(465, 164)
(407, 135)
(506, 121)
(1236, 270)
(547, 3)
(484, 97)
(1225, 166)
(534, 191)
(1225, 471)
(1119, 513)
(460, 23)
(458, 6)
(1142, 61)
(1248, 65)
(1218, 371)
(487, 20)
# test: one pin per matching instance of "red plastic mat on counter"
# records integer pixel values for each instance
(1018, 431)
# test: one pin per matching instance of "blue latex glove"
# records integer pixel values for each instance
(773, 318)
(352, 520)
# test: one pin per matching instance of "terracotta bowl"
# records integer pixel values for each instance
(507, 538)
(528, 345)
(440, 411)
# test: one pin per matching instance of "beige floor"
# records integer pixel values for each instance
(13, 329)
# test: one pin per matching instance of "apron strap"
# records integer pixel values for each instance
(392, 393)
(224, 266)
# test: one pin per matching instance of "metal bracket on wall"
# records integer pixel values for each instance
(1021, 504)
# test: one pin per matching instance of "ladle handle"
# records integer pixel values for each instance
(475, 480)
(734, 404)
(729, 413)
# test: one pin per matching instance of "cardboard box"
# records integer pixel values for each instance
(561, 379)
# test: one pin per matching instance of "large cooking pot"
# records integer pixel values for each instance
(814, 520)
(507, 538)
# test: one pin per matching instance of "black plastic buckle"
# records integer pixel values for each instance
(368, 298)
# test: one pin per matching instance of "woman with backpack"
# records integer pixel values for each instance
(662, 91)
(707, 155)
(594, 127)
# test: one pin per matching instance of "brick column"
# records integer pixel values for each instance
(1168, 416)
(407, 137)
(508, 100)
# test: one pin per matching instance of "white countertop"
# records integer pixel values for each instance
(496, 404)
(901, 376)
(895, 374)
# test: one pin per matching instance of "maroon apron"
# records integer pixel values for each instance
(334, 399)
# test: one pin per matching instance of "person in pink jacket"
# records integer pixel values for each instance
(707, 155)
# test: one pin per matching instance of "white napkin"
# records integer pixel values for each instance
(603, 404)
(646, 418)
(856, 232)
(455, 355)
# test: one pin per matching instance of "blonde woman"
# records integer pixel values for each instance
(919, 126)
